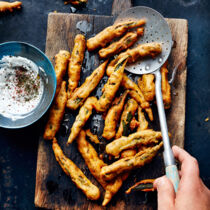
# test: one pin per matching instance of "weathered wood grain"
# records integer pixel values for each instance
(118, 6)
(54, 190)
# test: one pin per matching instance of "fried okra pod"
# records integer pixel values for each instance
(76, 2)
(61, 63)
(75, 64)
(94, 163)
(9, 6)
(127, 115)
(77, 176)
(113, 117)
(111, 32)
(111, 87)
(124, 43)
(137, 95)
(147, 85)
(132, 141)
(127, 164)
(143, 123)
(141, 51)
(80, 94)
(56, 113)
(92, 137)
(82, 117)
(165, 86)
(145, 185)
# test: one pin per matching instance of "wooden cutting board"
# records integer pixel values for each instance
(54, 190)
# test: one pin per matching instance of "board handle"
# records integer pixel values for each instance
(120, 5)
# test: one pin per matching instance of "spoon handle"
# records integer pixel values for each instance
(171, 168)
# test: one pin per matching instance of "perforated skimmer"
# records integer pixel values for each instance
(156, 30)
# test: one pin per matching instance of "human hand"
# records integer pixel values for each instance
(192, 193)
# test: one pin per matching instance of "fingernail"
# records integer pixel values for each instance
(159, 182)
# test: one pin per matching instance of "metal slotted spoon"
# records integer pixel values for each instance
(156, 30)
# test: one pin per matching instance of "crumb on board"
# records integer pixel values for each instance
(207, 119)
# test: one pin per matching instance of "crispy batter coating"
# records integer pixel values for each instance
(134, 124)
(75, 64)
(124, 43)
(141, 51)
(84, 114)
(145, 185)
(80, 94)
(127, 164)
(128, 153)
(132, 141)
(76, 2)
(61, 63)
(113, 117)
(127, 115)
(143, 123)
(147, 85)
(111, 32)
(92, 137)
(138, 96)
(56, 113)
(112, 85)
(165, 86)
(94, 163)
(9, 6)
(77, 176)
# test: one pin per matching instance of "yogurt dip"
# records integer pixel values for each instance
(21, 86)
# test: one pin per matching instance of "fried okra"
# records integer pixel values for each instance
(147, 85)
(111, 32)
(134, 140)
(127, 164)
(9, 6)
(113, 117)
(61, 63)
(75, 64)
(82, 117)
(77, 176)
(124, 43)
(56, 113)
(141, 51)
(111, 87)
(94, 163)
(165, 86)
(127, 115)
(80, 94)
(92, 137)
(143, 123)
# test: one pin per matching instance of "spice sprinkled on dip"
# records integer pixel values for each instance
(21, 86)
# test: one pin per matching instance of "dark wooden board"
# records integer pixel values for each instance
(54, 190)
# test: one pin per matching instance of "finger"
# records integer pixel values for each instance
(189, 165)
(166, 194)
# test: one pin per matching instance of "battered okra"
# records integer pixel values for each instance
(111, 87)
(82, 117)
(127, 115)
(77, 176)
(80, 94)
(61, 63)
(124, 43)
(94, 163)
(111, 32)
(75, 64)
(147, 85)
(56, 113)
(132, 141)
(113, 117)
(165, 86)
(127, 164)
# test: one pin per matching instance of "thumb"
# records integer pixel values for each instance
(166, 194)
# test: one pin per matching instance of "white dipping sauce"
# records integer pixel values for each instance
(21, 86)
